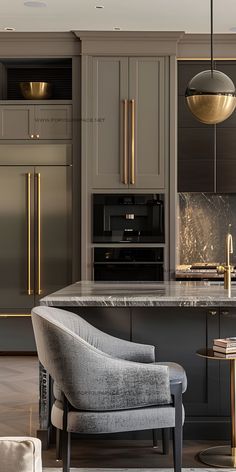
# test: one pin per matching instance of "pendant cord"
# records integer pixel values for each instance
(212, 67)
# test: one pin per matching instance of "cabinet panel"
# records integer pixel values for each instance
(14, 238)
(227, 329)
(16, 122)
(195, 160)
(147, 84)
(55, 259)
(53, 121)
(16, 334)
(114, 321)
(177, 334)
(226, 160)
(109, 89)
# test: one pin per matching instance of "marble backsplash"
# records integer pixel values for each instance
(203, 223)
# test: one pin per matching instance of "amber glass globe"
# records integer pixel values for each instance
(210, 96)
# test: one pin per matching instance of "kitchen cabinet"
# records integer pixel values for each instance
(227, 329)
(206, 153)
(30, 122)
(35, 237)
(195, 328)
(129, 110)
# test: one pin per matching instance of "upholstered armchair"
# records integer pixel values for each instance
(105, 385)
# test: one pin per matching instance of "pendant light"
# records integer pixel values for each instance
(210, 95)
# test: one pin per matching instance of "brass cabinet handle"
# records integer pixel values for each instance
(132, 144)
(39, 291)
(212, 312)
(125, 142)
(29, 291)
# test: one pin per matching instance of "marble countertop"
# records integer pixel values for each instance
(183, 293)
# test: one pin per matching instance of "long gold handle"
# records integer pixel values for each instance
(125, 141)
(132, 164)
(39, 291)
(29, 291)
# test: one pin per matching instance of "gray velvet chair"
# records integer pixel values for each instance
(103, 384)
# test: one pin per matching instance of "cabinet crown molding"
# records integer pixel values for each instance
(197, 46)
(129, 42)
(46, 44)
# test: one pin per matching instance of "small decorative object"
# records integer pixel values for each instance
(210, 95)
(36, 90)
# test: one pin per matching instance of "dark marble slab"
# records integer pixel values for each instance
(142, 294)
(203, 223)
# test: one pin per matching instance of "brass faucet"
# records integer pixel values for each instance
(227, 268)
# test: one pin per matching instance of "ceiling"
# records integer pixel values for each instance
(191, 16)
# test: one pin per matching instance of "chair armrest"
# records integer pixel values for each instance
(117, 384)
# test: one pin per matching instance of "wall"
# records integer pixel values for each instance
(203, 223)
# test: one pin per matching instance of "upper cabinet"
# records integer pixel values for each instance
(35, 122)
(206, 153)
(128, 107)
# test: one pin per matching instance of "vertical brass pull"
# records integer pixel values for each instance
(125, 141)
(132, 144)
(29, 291)
(39, 291)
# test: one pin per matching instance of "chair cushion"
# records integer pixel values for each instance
(88, 422)
(177, 372)
(20, 454)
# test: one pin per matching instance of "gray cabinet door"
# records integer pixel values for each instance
(16, 121)
(36, 122)
(148, 87)
(177, 334)
(53, 247)
(109, 87)
(53, 121)
(15, 222)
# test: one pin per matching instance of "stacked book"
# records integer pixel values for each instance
(225, 347)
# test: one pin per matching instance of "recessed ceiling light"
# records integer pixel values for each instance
(117, 28)
(99, 7)
(35, 4)
(8, 28)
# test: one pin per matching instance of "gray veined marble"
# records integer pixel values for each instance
(116, 294)
(203, 224)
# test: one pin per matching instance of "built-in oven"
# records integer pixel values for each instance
(128, 218)
(128, 264)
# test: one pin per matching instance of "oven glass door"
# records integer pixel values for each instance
(128, 272)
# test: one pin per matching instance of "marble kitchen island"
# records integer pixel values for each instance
(177, 318)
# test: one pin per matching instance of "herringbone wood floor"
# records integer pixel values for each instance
(19, 396)
(19, 417)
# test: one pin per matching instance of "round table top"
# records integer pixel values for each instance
(210, 354)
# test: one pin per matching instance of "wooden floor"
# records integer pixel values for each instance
(19, 417)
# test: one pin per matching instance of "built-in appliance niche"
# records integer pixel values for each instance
(203, 220)
(128, 237)
(128, 218)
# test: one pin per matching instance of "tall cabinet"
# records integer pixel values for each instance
(35, 236)
(128, 126)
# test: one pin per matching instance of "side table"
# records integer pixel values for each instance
(223, 456)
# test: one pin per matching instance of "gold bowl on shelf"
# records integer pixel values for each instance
(36, 90)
